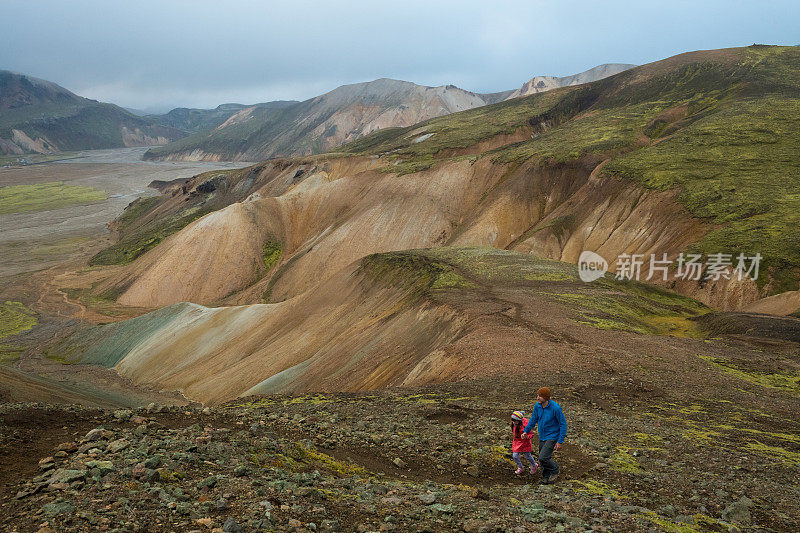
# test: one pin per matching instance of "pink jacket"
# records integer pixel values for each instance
(521, 445)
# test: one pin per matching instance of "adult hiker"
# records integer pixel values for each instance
(552, 432)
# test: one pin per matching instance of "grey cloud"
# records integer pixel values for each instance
(202, 53)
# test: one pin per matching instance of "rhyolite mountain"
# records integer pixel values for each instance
(539, 84)
(39, 116)
(321, 123)
(342, 115)
(301, 273)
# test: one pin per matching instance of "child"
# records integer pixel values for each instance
(521, 446)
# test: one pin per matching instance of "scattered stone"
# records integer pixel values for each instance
(391, 500)
(208, 482)
(118, 445)
(66, 476)
(231, 526)
(473, 471)
(46, 463)
(428, 498)
(138, 470)
(67, 447)
(104, 467)
(58, 508)
(95, 434)
(123, 415)
(399, 463)
(183, 508)
(475, 525)
(329, 526)
(443, 508)
(738, 511)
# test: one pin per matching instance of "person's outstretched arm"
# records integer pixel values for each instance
(532, 422)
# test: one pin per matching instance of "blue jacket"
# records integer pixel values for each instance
(552, 424)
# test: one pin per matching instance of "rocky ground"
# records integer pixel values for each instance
(434, 459)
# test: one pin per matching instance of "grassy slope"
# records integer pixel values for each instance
(80, 124)
(605, 304)
(137, 237)
(133, 244)
(719, 125)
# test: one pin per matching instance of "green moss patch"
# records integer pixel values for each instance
(147, 237)
(10, 353)
(272, 254)
(782, 380)
(46, 196)
(605, 304)
(15, 318)
(414, 270)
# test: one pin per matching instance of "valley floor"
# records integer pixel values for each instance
(39, 246)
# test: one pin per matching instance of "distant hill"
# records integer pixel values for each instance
(540, 84)
(343, 115)
(39, 116)
(324, 122)
(195, 120)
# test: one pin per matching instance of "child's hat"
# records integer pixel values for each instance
(517, 415)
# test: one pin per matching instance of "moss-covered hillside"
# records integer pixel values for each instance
(721, 125)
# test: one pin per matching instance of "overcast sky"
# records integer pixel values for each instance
(163, 54)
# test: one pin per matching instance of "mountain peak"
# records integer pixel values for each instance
(19, 90)
(539, 84)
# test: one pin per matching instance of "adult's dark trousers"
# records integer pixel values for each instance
(549, 467)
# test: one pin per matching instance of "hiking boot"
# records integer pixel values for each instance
(518, 471)
(552, 479)
(534, 469)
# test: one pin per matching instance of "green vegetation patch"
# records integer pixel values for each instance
(598, 488)
(632, 306)
(738, 168)
(10, 353)
(605, 304)
(272, 251)
(786, 381)
(414, 270)
(457, 130)
(780, 453)
(701, 523)
(624, 461)
(15, 318)
(46, 196)
(147, 237)
(136, 210)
